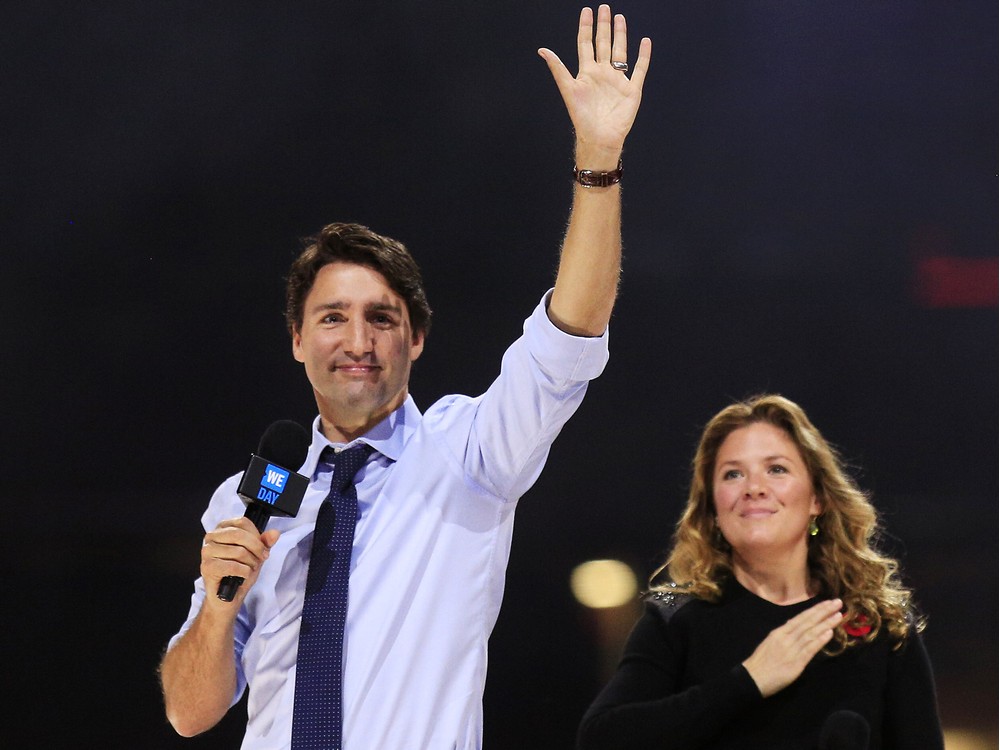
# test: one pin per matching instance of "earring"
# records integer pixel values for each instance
(813, 526)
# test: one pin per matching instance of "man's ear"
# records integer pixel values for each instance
(417, 345)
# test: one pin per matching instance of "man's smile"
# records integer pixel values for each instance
(356, 369)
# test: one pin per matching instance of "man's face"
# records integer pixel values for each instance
(357, 347)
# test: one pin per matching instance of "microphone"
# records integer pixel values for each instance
(844, 730)
(268, 486)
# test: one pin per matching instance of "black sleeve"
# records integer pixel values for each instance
(911, 719)
(643, 705)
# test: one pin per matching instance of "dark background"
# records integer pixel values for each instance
(793, 168)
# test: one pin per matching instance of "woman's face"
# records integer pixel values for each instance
(763, 494)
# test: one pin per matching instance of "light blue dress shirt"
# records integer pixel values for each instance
(436, 510)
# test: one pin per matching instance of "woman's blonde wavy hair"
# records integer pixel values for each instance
(842, 557)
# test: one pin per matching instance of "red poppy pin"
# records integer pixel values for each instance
(859, 628)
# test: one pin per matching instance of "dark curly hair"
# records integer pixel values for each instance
(354, 243)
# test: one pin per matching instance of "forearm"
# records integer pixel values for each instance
(625, 716)
(504, 439)
(590, 262)
(198, 675)
(602, 103)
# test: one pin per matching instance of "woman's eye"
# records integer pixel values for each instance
(778, 469)
(731, 474)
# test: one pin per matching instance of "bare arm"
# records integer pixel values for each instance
(602, 104)
(198, 674)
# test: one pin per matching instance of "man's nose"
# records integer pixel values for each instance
(358, 339)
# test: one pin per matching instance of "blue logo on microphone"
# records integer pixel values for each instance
(274, 478)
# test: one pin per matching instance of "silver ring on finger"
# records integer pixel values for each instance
(619, 65)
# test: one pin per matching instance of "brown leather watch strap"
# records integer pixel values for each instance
(589, 178)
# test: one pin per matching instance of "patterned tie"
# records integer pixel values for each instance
(316, 716)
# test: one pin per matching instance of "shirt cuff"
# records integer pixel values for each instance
(562, 354)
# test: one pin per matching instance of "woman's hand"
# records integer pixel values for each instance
(780, 658)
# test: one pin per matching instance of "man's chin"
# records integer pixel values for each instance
(359, 402)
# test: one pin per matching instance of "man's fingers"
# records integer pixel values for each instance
(619, 47)
(237, 539)
(217, 549)
(602, 52)
(559, 71)
(585, 38)
(638, 75)
(241, 522)
(217, 568)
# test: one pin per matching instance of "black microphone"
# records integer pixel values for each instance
(268, 486)
(844, 730)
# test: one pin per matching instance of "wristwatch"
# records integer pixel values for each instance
(589, 178)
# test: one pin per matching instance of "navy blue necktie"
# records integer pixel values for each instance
(316, 716)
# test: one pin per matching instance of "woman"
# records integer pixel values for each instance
(780, 626)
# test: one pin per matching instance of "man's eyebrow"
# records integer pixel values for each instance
(335, 305)
(371, 307)
(383, 307)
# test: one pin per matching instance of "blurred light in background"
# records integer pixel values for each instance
(957, 282)
(958, 740)
(945, 279)
(600, 584)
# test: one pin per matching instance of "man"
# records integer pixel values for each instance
(436, 497)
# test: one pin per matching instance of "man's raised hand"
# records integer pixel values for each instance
(602, 100)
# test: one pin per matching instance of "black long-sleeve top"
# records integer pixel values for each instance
(681, 685)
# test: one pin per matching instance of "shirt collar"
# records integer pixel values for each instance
(387, 437)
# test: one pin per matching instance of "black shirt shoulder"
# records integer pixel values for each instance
(666, 602)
